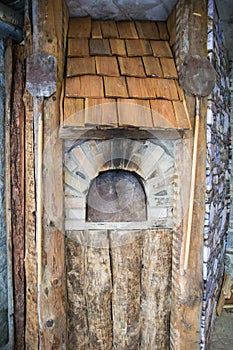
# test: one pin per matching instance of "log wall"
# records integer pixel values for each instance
(3, 249)
(119, 291)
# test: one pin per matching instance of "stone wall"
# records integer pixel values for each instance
(3, 256)
(229, 256)
(217, 175)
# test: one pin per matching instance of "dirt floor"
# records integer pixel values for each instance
(222, 338)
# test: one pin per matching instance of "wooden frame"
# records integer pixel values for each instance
(50, 36)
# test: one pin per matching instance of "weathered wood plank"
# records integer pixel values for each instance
(31, 327)
(89, 290)
(77, 312)
(156, 289)
(17, 195)
(31, 324)
(7, 191)
(126, 274)
(3, 239)
(98, 287)
(51, 38)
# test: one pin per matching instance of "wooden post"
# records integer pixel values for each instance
(50, 23)
(8, 87)
(188, 286)
(17, 192)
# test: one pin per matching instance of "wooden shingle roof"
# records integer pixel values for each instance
(121, 74)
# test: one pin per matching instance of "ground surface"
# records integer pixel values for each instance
(223, 333)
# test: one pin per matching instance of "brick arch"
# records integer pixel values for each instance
(150, 160)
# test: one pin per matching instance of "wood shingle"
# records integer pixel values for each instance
(79, 27)
(152, 66)
(115, 87)
(109, 29)
(168, 67)
(139, 47)
(165, 88)
(140, 109)
(117, 47)
(131, 66)
(141, 87)
(127, 30)
(73, 112)
(78, 47)
(163, 114)
(121, 74)
(99, 47)
(100, 112)
(85, 86)
(161, 48)
(80, 66)
(147, 30)
(107, 66)
(96, 30)
(163, 32)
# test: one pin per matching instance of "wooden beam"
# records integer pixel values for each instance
(50, 24)
(188, 286)
(17, 193)
(8, 88)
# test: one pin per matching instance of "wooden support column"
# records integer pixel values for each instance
(7, 192)
(17, 193)
(191, 39)
(50, 23)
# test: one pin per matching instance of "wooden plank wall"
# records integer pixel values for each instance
(119, 289)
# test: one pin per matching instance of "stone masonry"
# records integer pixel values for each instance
(217, 175)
